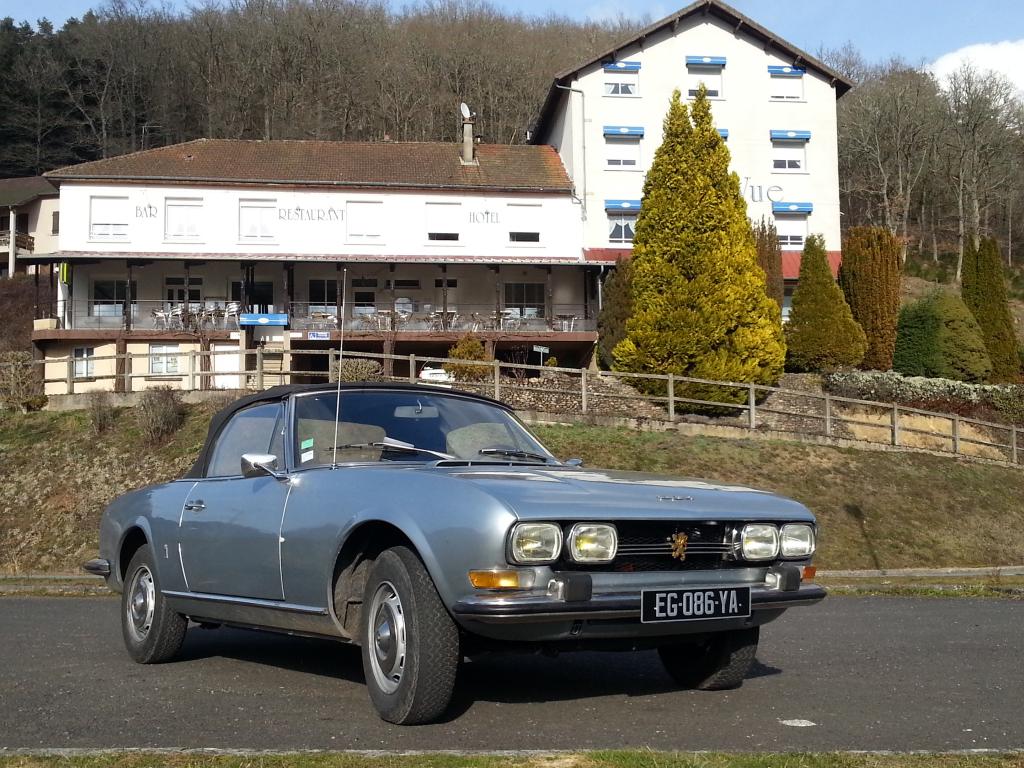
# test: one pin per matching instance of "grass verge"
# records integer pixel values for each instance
(618, 759)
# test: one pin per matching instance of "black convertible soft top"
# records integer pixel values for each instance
(276, 394)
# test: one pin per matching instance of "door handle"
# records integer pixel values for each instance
(195, 506)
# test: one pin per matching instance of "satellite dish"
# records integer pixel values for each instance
(465, 110)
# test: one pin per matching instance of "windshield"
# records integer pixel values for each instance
(443, 426)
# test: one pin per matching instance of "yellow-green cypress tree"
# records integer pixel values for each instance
(700, 306)
(984, 292)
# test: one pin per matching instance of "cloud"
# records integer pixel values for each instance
(1004, 57)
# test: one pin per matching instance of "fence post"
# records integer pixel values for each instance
(412, 369)
(497, 379)
(1013, 444)
(259, 368)
(129, 368)
(895, 424)
(956, 433)
(672, 397)
(751, 407)
(71, 376)
(191, 370)
(583, 389)
(828, 415)
(330, 366)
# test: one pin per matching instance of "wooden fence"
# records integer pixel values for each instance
(573, 391)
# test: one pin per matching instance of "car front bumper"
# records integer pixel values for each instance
(496, 608)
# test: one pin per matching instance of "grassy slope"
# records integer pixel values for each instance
(876, 509)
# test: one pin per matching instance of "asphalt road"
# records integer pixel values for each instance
(868, 673)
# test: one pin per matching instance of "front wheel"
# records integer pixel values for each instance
(718, 662)
(410, 644)
(153, 633)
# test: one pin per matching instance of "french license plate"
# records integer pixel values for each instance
(694, 604)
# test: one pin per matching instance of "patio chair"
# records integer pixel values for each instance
(232, 310)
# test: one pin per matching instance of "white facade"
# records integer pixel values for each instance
(631, 94)
(352, 225)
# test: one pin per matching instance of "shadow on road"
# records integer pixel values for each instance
(507, 678)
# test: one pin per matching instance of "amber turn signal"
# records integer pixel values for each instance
(494, 579)
(808, 573)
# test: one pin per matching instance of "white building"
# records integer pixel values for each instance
(29, 221)
(217, 245)
(774, 104)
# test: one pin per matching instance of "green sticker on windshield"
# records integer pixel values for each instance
(306, 444)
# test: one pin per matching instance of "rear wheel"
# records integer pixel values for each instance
(718, 662)
(410, 644)
(152, 631)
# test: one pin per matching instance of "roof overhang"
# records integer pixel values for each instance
(300, 258)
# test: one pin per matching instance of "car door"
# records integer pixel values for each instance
(229, 531)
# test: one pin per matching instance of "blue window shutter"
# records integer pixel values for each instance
(785, 71)
(622, 66)
(723, 132)
(626, 131)
(787, 135)
(792, 207)
(705, 61)
(622, 206)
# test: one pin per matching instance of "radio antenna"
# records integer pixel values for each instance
(341, 356)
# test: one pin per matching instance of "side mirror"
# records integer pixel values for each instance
(573, 462)
(256, 464)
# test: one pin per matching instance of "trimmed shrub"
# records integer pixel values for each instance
(769, 258)
(938, 337)
(821, 334)
(1003, 402)
(551, 362)
(101, 413)
(870, 279)
(984, 292)
(357, 369)
(160, 413)
(700, 306)
(617, 306)
(20, 385)
(468, 348)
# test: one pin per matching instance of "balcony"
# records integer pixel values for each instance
(370, 319)
(23, 243)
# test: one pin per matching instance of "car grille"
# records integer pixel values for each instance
(647, 546)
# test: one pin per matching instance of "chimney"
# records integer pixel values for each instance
(468, 152)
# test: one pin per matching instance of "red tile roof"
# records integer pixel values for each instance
(513, 168)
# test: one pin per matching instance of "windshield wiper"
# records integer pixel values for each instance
(512, 453)
(390, 444)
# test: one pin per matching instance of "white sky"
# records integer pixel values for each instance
(1006, 57)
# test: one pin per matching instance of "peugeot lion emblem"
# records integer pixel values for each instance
(679, 545)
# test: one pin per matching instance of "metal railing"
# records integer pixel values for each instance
(567, 391)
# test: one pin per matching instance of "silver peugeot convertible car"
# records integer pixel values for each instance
(427, 525)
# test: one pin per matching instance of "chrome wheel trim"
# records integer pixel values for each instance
(386, 637)
(141, 604)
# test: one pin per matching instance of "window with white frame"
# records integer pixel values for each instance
(444, 222)
(789, 157)
(256, 221)
(523, 220)
(708, 74)
(163, 359)
(85, 366)
(183, 218)
(786, 88)
(621, 83)
(108, 218)
(365, 221)
(621, 153)
(621, 227)
(791, 231)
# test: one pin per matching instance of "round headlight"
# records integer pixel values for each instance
(760, 541)
(797, 540)
(534, 543)
(593, 543)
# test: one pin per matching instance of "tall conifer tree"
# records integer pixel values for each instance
(984, 293)
(700, 306)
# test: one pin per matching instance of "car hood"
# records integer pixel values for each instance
(537, 493)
